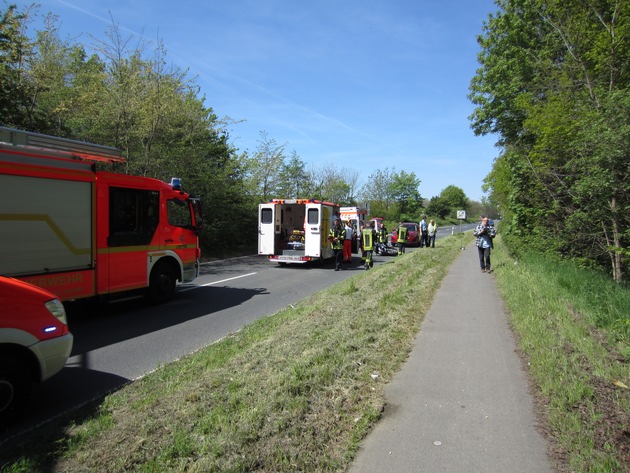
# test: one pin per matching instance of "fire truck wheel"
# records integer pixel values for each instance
(15, 388)
(162, 283)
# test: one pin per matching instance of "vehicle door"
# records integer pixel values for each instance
(132, 229)
(266, 229)
(315, 234)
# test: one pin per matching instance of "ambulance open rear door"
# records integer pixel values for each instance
(316, 230)
(267, 228)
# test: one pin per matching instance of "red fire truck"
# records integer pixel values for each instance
(80, 232)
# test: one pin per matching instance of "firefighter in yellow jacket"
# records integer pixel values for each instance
(368, 240)
(403, 231)
(336, 236)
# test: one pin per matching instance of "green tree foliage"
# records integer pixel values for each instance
(393, 195)
(335, 185)
(270, 174)
(439, 206)
(377, 192)
(263, 168)
(450, 200)
(554, 85)
(17, 107)
(454, 197)
(293, 178)
(404, 188)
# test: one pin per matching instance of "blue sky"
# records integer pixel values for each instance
(361, 84)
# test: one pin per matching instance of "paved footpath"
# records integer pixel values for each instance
(461, 401)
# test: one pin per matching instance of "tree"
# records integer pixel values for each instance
(454, 197)
(552, 84)
(330, 184)
(439, 206)
(263, 168)
(404, 190)
(17, 108)
(377, 192)
(293, 178)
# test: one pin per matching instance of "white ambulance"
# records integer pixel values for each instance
(295, 230)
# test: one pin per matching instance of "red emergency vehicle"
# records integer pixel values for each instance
(79, 232)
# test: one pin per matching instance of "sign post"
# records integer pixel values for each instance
(461, 215)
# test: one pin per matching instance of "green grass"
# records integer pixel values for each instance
(298, 391)
(573, 327)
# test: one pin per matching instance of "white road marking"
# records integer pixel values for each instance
(215, 282)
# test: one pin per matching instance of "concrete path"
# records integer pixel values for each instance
(460, 402)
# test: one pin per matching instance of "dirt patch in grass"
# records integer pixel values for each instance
(612, 424)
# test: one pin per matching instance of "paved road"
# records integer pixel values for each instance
(460, 402)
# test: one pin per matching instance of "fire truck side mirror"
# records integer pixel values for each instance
(196, 204)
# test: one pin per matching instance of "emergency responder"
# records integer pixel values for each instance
(381, 240)
(382, 235)
(336, 237)
(368, 237)
(402, 238)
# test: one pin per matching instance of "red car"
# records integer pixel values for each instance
(34, 342)
(413, 234)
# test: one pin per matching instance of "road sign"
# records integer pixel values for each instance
(461, 214)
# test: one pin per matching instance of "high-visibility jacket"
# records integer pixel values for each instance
(367, 237)
(336, 236)
(382, 235)
(402, 234)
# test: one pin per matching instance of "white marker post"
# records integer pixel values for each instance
(461, 215)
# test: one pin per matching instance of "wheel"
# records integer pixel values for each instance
(162, 283)
(15, 388)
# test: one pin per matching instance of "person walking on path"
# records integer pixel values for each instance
(461, 400)
(424, 235)
(484, 233)
(336, 236)
(432, 229)
(347, 242)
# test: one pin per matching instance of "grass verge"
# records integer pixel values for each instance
(574, 329)
(296, 391)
